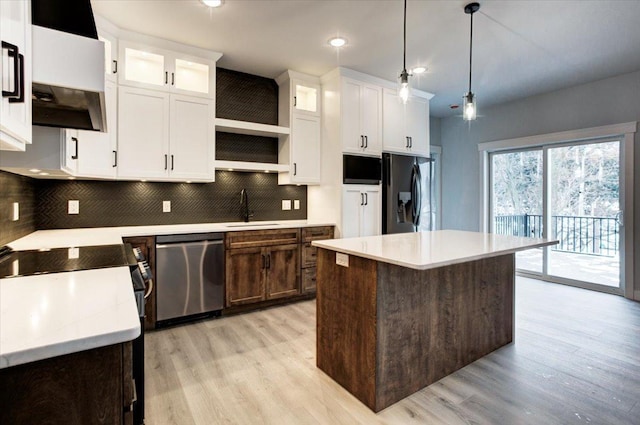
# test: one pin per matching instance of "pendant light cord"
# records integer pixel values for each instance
(404, 53)
(470, 50)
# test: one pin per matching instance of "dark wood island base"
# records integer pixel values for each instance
(386, 331)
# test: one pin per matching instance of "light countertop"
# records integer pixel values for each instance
(428, 250)
(53, 314)
(63, 238)
(49, 315)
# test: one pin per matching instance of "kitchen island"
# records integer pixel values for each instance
(396, 313)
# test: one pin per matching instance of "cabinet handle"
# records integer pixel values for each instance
(295, 169)
(115, 158)
(75, 141)
(268, 261)
(173, 79)
(361, 141)
(361, 199)
(165, 161)
(166, 77)
(295, 101)
(407, 145)
(115, 67)
(264, 261)
(20, 98)
(366, 199)
(171, 162)
(12, 53)
(410, 142)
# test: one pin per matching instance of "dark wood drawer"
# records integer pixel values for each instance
(253, 238)
(309, 280)
(309, 255)
(316, 233)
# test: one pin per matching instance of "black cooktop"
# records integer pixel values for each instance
(55, 260)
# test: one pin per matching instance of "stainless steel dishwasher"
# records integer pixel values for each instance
(189, 275)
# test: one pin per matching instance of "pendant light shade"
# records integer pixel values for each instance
(469, 112)
(403, 89)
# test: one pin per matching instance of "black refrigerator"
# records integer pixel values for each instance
(406, 194)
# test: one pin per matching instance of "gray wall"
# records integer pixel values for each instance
(435, 132)
(604, 102)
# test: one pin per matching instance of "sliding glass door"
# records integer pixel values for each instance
(573, 190)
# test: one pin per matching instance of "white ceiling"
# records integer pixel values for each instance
(521, 48)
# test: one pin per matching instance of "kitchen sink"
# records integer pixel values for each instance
(252, 224)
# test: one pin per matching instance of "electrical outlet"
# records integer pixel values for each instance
(286, 204)
(166, 206)
(74, 207)
(296, 204)
(16, 211)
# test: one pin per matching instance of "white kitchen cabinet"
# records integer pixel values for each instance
(192, 135)
(361, 115)
(98, 151)
(160, 69)
(299, 109)
(361, 211)
(164, 137)
(15, 74)
(110, 55)
(405, 126)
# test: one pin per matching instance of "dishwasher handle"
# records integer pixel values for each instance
(192, 237)
(199, 243)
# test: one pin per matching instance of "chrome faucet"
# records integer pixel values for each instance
(244, 202)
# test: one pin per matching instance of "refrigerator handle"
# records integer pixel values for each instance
(416, 194)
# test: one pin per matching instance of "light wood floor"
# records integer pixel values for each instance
(576, 359)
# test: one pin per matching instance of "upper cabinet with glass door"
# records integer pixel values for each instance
(161, 69)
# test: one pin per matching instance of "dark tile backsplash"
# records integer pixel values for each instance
(110, 203)
(241, 147)
(15, 188)
(246, 97)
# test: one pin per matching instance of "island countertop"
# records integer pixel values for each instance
(428, 250)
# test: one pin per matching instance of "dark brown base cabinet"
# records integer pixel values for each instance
(89, 387)
(309, 255)
(262, 265)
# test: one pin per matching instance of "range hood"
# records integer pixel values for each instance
(68, 66)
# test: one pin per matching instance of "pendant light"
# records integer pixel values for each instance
(470, 110)
(403, 90)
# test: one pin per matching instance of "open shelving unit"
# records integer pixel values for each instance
(251, 166)
(251, 128)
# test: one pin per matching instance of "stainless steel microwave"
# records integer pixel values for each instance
(361, 169)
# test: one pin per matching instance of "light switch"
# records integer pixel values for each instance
(296, 204)
(16, 211)
(166, 206)
(286, 204)
(74, 207)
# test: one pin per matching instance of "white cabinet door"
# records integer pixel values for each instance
(151, 67)
(371, 224)
(70, 152)
(417, 125)
(305, 149)
(110, 55)
(15, 74)
(393, 123)
(371, 120)
(143, 133)
(352, 205)
(99, 150)
(306, 98)
(352, 137)
(192, 138)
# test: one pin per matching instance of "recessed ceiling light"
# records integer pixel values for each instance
(34, 170)
(418, 70)
(213, 3)
(338, 41)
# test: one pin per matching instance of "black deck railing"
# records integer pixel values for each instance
(585, 235)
